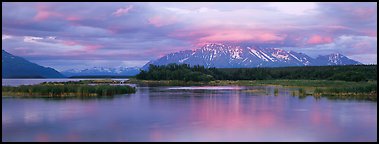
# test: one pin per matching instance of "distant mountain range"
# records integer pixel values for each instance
(18, 67)
(101, 71)
(210, 55)
(228, 56)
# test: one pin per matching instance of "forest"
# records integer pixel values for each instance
(198, 73)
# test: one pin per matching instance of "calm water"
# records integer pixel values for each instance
(189, 114)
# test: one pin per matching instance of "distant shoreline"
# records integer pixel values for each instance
(334, 89)
(73, 77)
(100, 76)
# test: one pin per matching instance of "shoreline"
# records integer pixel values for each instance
(324, 88)
(317, 88)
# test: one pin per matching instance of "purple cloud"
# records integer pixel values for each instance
(122, 11)
(144, 31)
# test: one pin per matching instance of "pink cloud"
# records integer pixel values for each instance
(317, 39)
(92, 47)
(159, 21)
(205, 35)
(362, 46)
(89, 47)
(114, 29)
(364, 13)
(42, 15)
(370, 32)
(150, 51)
(44, 12)
(72, 18)
(122, 11)
(70, 43)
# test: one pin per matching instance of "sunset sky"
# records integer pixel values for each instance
(80, 35)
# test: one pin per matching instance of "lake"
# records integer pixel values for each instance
(208, 113)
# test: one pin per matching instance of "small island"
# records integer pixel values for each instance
(83, 88)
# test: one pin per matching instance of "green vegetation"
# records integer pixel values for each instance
(276, 91)
(66, 89)
(200, 74)
(343, 73)
(289, 83)
(352, 81)
(301, 92)
(179, 72)
(366, 91)
(327, 88)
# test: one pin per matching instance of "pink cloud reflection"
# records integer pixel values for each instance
(42, 137)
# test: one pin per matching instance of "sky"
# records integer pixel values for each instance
(71, 35)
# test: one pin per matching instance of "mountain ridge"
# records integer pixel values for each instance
(18, 67)
(234, 56)
(97, 71)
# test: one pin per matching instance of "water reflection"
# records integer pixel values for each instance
(191, 114)
(206, 88)
(224, 116)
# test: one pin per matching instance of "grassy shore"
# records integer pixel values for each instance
(68, 89)
(326, 88)
(87, 88)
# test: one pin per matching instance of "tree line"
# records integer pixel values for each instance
(199, 73)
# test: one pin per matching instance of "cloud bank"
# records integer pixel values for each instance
(126, 33)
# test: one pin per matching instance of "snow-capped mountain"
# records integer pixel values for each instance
(101, 71)
(235, 56)
(334, 59)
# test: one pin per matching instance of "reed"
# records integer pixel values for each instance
(67, 90)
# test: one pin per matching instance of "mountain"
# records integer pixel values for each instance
(18, 67)
(100, 71)
(235, 56)
(334, 59)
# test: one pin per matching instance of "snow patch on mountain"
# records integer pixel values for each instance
(96, 71)
(234, 56)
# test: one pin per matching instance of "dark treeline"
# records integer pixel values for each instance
(200, 73)
(179, 72)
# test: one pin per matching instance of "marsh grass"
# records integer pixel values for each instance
(367, 91)
(256, 91)
(66, 90)
(276, 92)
